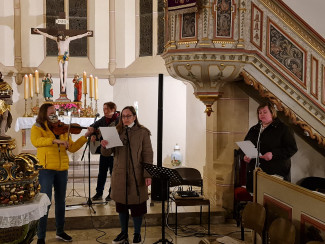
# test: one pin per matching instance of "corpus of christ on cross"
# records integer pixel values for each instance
(59, 35)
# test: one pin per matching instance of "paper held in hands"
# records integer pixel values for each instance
(248, 148)
(110, 134)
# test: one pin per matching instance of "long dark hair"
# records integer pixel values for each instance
(120, 125)
(42, 114)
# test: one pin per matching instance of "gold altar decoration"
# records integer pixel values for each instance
(18, 175)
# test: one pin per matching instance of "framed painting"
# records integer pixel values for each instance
(311, 229)
(188, 26)
(275, 208)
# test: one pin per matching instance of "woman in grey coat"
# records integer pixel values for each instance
(129, 180)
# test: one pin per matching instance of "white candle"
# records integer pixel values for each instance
(91, 86)
(36, 82)
(31, 90)
(25, 87)
(96, 88)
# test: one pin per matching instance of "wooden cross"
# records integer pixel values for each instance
(63, 47)
(61, 28)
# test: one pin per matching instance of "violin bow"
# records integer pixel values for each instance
(69, 127)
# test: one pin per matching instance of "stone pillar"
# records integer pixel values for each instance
(17, 39)
(226, 125)
(112, 42)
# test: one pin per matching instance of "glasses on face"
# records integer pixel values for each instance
(126, 116)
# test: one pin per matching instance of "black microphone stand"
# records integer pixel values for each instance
(129, 154)
(257, 165)
(89, 201)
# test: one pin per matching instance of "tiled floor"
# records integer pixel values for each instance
(103, 226)
(151, 235)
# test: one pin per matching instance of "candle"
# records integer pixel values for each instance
(85, 82)
(91, 86)
(31, 92)
(25, 87)
(96, 88)
(36, 82)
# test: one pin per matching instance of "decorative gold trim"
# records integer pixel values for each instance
(189, 42)
(223, 42)
(308, 37)
(250, 80)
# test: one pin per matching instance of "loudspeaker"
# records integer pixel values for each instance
(157, 190)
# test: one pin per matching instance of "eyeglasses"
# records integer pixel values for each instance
(126, 116)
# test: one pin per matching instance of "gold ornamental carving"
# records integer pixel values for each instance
(263, 92)
(18, 175)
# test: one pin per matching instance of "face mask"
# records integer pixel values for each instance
(53, 118)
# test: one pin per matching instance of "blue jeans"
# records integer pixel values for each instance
(58, 180)
(105, 164)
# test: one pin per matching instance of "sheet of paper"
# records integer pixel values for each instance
(248, 148)
(110, 134)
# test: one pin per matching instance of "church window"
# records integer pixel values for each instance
(146, 27)
(147, 30)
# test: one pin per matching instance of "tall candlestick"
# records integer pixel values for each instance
(91, 86)
(36, 82)
(85, 82)
(31, 90)
(96, 88)
(25, 87)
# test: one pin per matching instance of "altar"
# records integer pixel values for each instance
(18, 223)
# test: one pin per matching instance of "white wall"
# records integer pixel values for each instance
(195, 131)
(311, 11)
(31, 17)
(98, 21)
(145, 92)
(7, 55)
(125, 32)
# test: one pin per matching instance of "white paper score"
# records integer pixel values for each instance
(248, 148)
(110, 134)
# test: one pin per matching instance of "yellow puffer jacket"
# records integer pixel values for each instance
(52, 156)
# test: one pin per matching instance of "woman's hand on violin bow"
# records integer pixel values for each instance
(89, 132)
(61, 142)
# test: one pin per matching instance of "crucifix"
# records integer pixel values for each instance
(62, 37)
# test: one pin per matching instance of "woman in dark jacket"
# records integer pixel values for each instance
(276, 145)
(129, 181)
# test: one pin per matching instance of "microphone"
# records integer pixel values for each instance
(97, 115)
(258, 145)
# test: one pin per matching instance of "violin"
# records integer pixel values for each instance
(60, 128)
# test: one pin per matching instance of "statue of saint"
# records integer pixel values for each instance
(5, 102)
(47, 87)
(77, 88)
(63, 53)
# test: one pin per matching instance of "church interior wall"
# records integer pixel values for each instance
(184, 119)
(144, 91)
(7, 32)
(31, 14)
(195, 131)
(98, 45)
(125, 33)
(311, 13)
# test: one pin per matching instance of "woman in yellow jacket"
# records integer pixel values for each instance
(52, 154)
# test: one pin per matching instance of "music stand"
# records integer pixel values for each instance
(165, 175)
